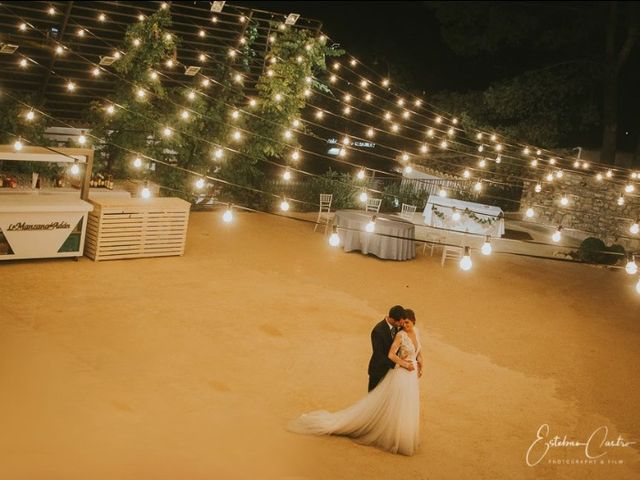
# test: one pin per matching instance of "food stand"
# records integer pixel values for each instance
(45, 226)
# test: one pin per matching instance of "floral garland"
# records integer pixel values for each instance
(482, 221)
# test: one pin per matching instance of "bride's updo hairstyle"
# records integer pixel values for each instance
(410, 315)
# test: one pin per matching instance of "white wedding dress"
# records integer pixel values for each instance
(388, 417)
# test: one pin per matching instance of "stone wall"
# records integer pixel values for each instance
(592, 210)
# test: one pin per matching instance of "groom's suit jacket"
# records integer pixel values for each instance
(381, 340)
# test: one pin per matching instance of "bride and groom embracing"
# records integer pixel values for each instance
(388, 417)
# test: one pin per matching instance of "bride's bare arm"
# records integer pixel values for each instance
(395, 358)
(420, 363)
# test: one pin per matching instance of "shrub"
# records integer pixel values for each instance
(591, 250)
(617, 253)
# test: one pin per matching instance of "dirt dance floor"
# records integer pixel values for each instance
(190, 367)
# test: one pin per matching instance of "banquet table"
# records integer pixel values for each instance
(393, 238)
(474, 217)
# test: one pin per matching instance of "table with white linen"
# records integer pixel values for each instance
(393, 238)
(493, 216)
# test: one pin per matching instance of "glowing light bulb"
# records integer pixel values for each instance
(424, 148)
(30, 115)
(559, 174)
(538, 152)
(75, 169)
(408, 169)
(585, 165)
(629, 188)
(538, 188)
(526, 151)
(237, 135)
(286, 175)
(564, 201)
(82, 139)
(218, 153)
(371, 226)
(493, 137)
(334, 239)
(451, 131)
(141, 93)
(184, 115)
(454, 121)
(347, 110)
(235, 114)
(557, 235)
(319, 114)
(295, 155)
(146, 192)
(361, 175)
(169, 63)
(599, 177)
(71, 86)
(482, 163)
(478, 186)
(200, 183)
(102, 17)
(430, 132)
(51, 11)
(284, 206)
(576, 164)
(395, 127)
(141, 18)
(385, 82)
(417, 102)
(444, 144)
(634, 228)
(22, 27)
(465, 261)
(153, 75)
(631, 267)
(59, 50)
(363, 196)
(529, 213)
(237, 78)
(466, 173)
(609, 173)
(368, 97)
(287, 134)
(534, 163)
(486, 247)
(202, 57)
(481, 148)
(17, 145)
(442, 193)
(621, 200)
(479, 136)
(253, 102)
(405, 157)
(438, 119)
(202, 33)
(370, 132)
(456, 216)
(95, 71)
(227, 217)
(167, 131)
(499, 159)
(277, 97)
(552, 161)
(137, 162)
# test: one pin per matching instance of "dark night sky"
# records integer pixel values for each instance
(407, 35)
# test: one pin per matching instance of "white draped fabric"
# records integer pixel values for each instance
(466, 224)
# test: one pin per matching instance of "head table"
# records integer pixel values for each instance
(393, 238)
(474, 217)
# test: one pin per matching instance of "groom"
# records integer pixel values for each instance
(382, 337)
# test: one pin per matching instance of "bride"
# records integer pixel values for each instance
(388, 417)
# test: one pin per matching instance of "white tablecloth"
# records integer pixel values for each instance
(392, 239)
(466, 224)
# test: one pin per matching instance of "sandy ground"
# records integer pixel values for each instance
(190, 367)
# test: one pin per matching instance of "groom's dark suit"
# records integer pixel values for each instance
(381, 340)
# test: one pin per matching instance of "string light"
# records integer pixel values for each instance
(363, 196)
(17, 145)
(95, 71)
(559, 174)
(631, 267)
(146, 192)
(227, 217)
(110, 109)
(486, 246)
(23, 63)
(141, 93)
(30, 115)
(599, 177)
(218, 153)
(371, 226)
(235, 114)
(609, 173)
(424, 148)
(136, 42)
(80, 32)
(237, 135)
(71, 86)
(385, 82)
(286, 175)
(478, 186)
(361, 174)
(430, 132)
(442, 193)
(557, 235)
(51, 11)
(538, 188)
(184, 115)
(287, 135)
(167, 131)
(22, 27)
(277, 97)
(137, 162)
(202, 57)
(295, 155)
(549, 177)
(635, 227)
(102, 17)
(284, 205)
(465, 261)
(82, 139)
(466, 173)
(203, 34)
(530, 212)
(499, 159)
(408, 169)
(482, 163)
(621, 200)
(59, 50)
(370, 132)
(205, 82)
(334, 239)
(75, 169)
(629, 188)
(564, 201)
(200, 183)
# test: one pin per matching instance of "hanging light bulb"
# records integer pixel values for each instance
(631, 267)
(136, 42)
(538, 188)
(368, 97)
(552, 161)
(236, 135)
(395, 127)
(498, 147)
(430, 132)
(424, 148)
(609, 173)
(385, 82)
(444, 144)
(526, 151)
(408, 169)
(361, 174)
(454, 121)
(456, 215)
(295, 155)
(334, 239)
(482, 163)
(319, 114)
(59, 50)
(438, 119)
(227, 216)
(95, 71)
(141, 93)
(478, 186)
(363, 196)
(51, 11)
(370, 132)
(277, 97)
(287, 134)
(371, 226)
(30, 115)
(493, 137)
(137, 162)
(253, 102)
(559, 174)
(71, 86)
(621, 200)
(629, 188)
(585, 165)
(481, 148)
(534, 162)
(200, 183)
(286, 175)
(17, 145)
(75, 169)
(564, 201)
(465, 261)
(284, 205)
(22, 27)
(442, 193)
(102, 17)
(557, 235)
(466, 173)
(479, 136)
(549, 177)
(635, 227)
(529, 213)
(405, 157)
(499, 159)
(146, 192)
(576, 164)
(451, 131)
(167, 131)
(82, 139)
(486, 246)
(218, 153)
(184, 115)
(599, 177)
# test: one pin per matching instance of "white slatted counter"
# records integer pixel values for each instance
(120, 228)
